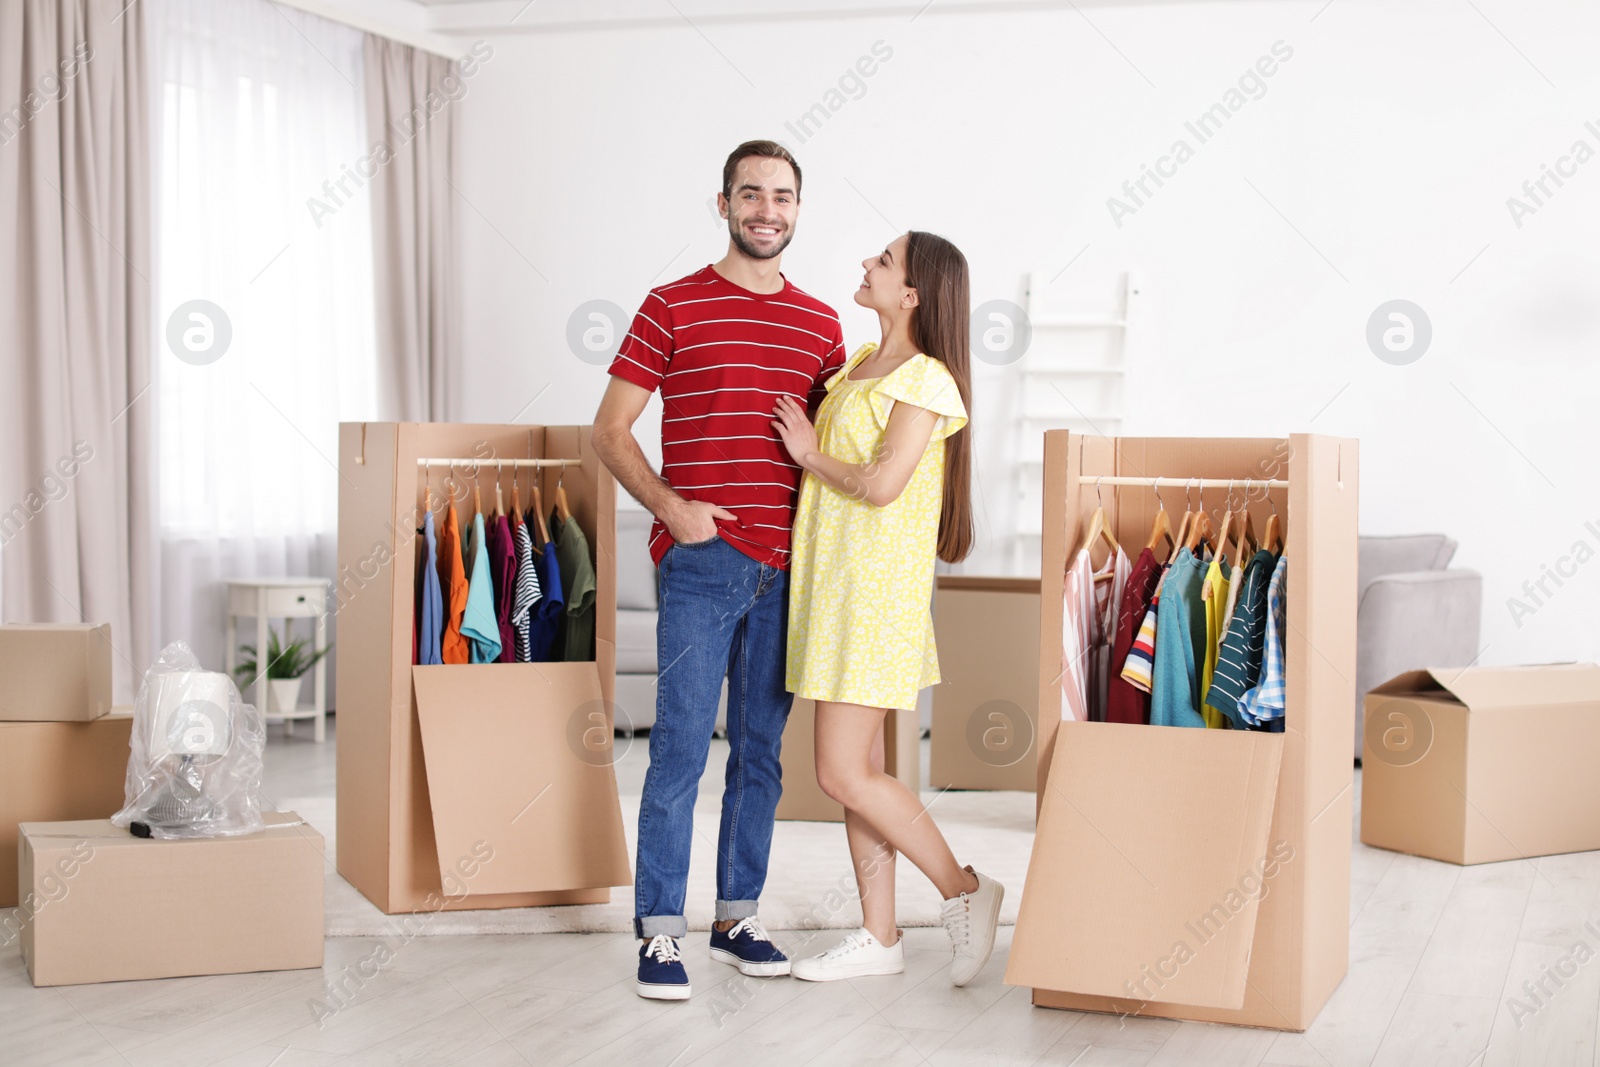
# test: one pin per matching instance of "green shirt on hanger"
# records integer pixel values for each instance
(575, 639)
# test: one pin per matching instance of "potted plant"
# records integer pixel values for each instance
(286, 665)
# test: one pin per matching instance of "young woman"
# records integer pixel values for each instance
(885, 491)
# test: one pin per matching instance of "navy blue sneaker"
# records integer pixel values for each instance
(747, 946)
(661, 973)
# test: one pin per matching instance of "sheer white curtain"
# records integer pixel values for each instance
(260, 211)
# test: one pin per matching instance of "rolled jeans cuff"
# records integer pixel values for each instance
(734, 910)
(652, 925)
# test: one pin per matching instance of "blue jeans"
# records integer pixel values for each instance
(722, 614)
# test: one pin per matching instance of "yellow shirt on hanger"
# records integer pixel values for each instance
(1215, 595)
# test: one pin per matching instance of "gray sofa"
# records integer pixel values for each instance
(636, 624)
(1412, 612)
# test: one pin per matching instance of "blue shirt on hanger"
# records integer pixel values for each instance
(1180, 645)
(478, 623)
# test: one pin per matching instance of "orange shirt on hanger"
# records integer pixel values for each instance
(453, 646)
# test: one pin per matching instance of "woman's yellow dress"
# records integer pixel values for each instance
(861, 577)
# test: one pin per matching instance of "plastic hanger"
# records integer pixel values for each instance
(1161, 529)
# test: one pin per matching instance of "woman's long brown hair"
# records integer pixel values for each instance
(937, 270)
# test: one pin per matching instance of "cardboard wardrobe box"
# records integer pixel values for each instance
(986, 709)
(100, 905)
(54, 672)
(56, 771)
(505, 768)
(1192, 873)
(802, 799)
(1480, 764)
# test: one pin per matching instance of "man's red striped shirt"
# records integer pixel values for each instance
(722, 356)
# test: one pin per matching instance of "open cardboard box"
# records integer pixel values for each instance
(1479, 764)
(441, 765)
(1187, 873)
(986, 709)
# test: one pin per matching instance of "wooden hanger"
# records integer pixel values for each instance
(1182, 536)
(1247, 541)
(1100, 531)
(422, 507)
(1272, 539)
(538, 511)
(1162, 527)
(562, 509)
(477, 493)
(499, 498)
(516, 498)
(1200, 531)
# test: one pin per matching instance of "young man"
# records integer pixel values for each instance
(722, 345)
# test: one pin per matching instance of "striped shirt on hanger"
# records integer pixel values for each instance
(721, 356)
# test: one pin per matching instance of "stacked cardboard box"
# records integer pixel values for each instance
(63, 748)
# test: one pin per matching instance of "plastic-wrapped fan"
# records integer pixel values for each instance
(194, 766)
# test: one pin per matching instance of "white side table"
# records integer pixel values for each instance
(282, 598)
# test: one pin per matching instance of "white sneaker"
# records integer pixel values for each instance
(971, 920)
(858, 955)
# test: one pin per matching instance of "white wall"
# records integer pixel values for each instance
(1377, 165)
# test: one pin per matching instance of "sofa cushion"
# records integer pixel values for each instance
(636, 642)
(636, 572)
(1378, 556)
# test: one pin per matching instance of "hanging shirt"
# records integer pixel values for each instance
(546, 615)
(577, 582)
(1077, 609)
(478, 623)
(453, 646)
(430, 625)
(1180, 645)
(1239, 660)
(1214, 594)
(1139, 669)
(503, 570)
(1126, 702)
(1110, 582)
(1263, 705)
(527, 589)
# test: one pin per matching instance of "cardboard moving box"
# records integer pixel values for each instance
(55, 771)
(54, 672)
(439, 762)
(1475, 765)
(100, 905)
(986, 709)
(1187, 873)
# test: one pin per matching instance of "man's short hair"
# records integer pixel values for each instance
(760, 150)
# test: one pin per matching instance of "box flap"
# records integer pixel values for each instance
(1483, 688)
(518, 758)
(1147, 865)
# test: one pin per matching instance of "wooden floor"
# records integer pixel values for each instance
(1437, 954)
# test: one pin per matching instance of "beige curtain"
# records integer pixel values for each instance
(75, 437)
(410, 104)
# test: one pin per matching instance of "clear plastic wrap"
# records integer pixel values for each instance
(194, 769)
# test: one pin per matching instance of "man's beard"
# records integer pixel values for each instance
(736, 234)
